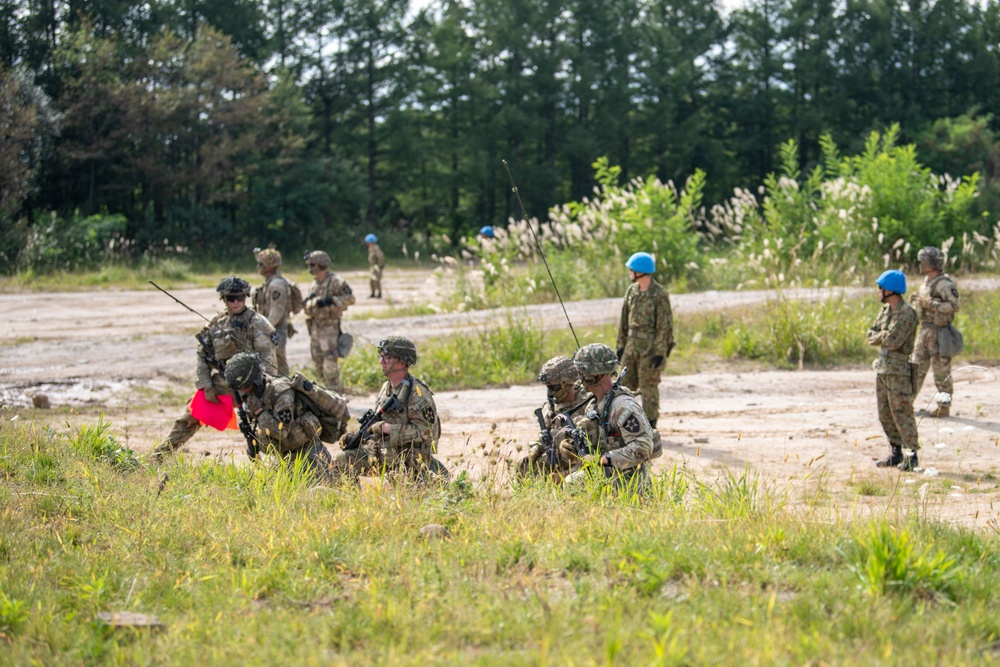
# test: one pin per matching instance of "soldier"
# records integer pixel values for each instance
(273, 300)
(645, 333)
(936, 304)
(284, 425)
(328, 297)
(405, 436)
(625, 438)
(487, 232)
(554, 452)
(236, 329)
(893, 332)
(376, 260)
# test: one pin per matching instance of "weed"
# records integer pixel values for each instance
(94, 441)
(886, 561)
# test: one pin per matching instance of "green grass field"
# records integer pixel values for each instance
(247, 565)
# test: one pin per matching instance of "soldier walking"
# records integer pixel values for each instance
(893, 333)
(376, 262)
(273, 300)
(936, 304)
(328, 297)
(645, 333)
(236, 329)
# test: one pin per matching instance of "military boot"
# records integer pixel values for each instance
(940, 411)
(895, 458)
(652, 423)
(909, 463)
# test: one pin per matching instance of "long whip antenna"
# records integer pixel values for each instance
(538, 246)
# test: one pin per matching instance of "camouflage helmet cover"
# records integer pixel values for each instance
(558, 370)
(399, 347)
(268, 257)
(595, 359)
(232, 285)
(242, 370)
(933, 256)
(319, 257)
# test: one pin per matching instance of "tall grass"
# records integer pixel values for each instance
(251, 565)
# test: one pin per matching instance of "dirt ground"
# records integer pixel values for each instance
(810, 435)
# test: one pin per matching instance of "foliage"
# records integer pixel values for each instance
(887, 560)
(97, 443)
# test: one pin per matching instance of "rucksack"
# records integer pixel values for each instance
(296, 295)
(328, 406)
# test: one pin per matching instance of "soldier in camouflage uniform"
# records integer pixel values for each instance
(282, 422)
(236, 329)
(554, 452)
(376, 261)
(273, 300)
(893, 333)
(328, 297)
(936, 304)
(645, 333)
(625, 438)
(406, 436)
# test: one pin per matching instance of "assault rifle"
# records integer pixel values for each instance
(578, 435)
(545, 438)
(253, 443)
(371, 416)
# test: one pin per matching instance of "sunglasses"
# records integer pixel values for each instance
(311, 265)
(592, 379)
(233, 298)
(554, 387)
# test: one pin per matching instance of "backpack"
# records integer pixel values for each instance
(328, 406)
(296, 298)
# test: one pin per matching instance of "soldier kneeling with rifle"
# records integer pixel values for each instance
(281, 420)
(402, 431)
(626, 442)
(560, 419)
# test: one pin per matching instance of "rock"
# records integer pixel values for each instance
(41, 401)
(128, 619)
(435, 531)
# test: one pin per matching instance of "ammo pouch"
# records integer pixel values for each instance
(329, 407)
(914, 378)
(949, 341)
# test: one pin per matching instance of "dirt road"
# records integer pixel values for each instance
(811, 434)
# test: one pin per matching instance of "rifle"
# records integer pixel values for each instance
(254, 445)
(578, 435)
(372, 416)
(545, 438)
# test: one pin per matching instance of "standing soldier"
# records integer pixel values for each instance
(645, 333)
(625, 438)
(565, 411)
(376, 260)
(236, 329)
(893, 333)
(273, 300)
(283, 422)
(936, 304)
(328, 297)
(406, 425)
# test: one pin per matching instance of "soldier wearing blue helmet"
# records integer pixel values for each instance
(487, 232)
(645, 333)
(376, 262)
(893, 333)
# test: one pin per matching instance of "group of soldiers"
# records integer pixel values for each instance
(602, 405)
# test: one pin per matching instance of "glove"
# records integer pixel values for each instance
(657, 360)
(252, 405)
(620, 353)
(210, 395)
(324, 302)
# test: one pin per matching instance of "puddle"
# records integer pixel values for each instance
(111, 393)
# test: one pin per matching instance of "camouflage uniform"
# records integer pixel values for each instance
(376, 260)
(645, 334)
(936, 304)
(893, 332)
(229, 335)
(273, 300)
(410, 446)
(324, 305)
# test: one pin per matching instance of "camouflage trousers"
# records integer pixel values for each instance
(323, 340)
(643, 377)
(634, 480)
(186, 425)
(316, 459)
(372, 459)
(281, 348)
(895, 410)
(375, 280)
(925, 355)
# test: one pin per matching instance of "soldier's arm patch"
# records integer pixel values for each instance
(632, 424)
(428, 414)
(275, 295)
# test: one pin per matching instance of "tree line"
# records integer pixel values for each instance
(220, 125)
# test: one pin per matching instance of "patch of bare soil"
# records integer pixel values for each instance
(811, 436)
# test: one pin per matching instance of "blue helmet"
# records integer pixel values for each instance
(371, 238)
(487, 231)
(892, 281)
(642, 262)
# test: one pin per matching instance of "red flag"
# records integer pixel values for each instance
(219, 416)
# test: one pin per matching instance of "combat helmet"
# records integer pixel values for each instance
(595, 359)
(268, 257)
(488, 232)
(243, 370)
(642, 262)
(232, 285)
(558, 370)
(321, 259)
(933, 256)
(371, 238)
(399, 347)
(892, 281)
